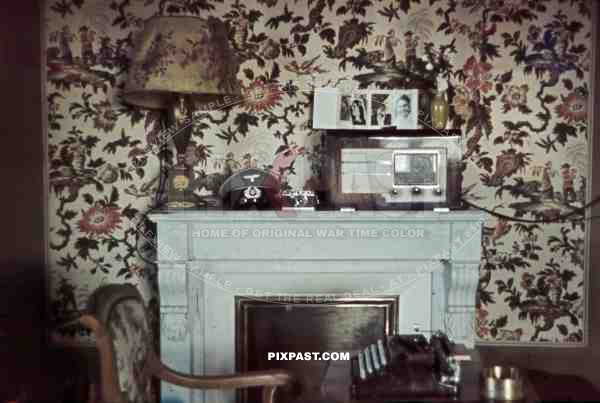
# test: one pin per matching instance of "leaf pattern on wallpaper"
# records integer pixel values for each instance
(518, 79)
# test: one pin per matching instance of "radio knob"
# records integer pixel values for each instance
(394, 192)
(438, 191)
(416, 190)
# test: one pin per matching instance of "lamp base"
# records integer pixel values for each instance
(181, 205)
(192, 202)
(179, 200)
(180, 194)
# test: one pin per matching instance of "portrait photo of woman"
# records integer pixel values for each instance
(353, 110)
(358, 111)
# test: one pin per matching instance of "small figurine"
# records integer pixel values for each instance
(389, 42)
(411, 42)
(66, 37)
(547, 187)
(568, 175)
(87, 37)
(105, 53)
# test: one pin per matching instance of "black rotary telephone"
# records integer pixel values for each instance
(406, 366)
(251, 188)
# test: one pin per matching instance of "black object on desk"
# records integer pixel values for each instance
(406, 366)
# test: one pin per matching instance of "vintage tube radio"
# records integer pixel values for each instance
(392, 169)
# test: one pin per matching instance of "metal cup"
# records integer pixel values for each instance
(503, 383)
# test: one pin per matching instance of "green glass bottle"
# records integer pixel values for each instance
(439, 111)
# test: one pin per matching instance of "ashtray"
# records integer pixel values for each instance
(503, 383)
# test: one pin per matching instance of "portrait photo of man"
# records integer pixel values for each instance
(345, 107)
(406, 109)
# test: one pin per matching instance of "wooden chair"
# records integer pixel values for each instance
(118, 318)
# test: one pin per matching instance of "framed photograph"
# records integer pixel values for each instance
(380, 109)
(365, 109)
(345, 108)
(405, 109)
(358, 110)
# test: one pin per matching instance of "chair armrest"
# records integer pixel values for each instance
(238, 381)
(109, 380)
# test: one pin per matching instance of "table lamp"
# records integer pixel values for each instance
(182, 65)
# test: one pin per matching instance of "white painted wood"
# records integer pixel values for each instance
(206, 259)
(328, 240)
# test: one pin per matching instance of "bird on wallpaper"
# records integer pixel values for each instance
(146, 189)
(547, 59)
(307, 67)
(509, 335)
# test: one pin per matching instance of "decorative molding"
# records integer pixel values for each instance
(174, 323)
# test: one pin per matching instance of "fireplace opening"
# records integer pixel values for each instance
(270, 326)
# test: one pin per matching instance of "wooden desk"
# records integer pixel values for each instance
(539, 386)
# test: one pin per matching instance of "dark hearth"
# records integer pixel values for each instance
(264, 326)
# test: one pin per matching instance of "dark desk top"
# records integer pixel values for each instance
(539, 386)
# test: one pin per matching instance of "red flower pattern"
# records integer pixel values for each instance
(479, 75)
(573, 108)
(260, 96)
(99, 220)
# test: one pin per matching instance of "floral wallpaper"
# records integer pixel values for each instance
(517, 73)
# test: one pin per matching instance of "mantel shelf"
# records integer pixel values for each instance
(393, 132)
(317, 215)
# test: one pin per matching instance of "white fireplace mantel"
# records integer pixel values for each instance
(428, 260)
